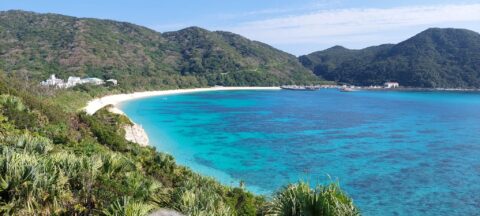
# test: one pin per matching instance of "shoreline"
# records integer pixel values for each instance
(135, 133)
(139, 133)
(98, 103)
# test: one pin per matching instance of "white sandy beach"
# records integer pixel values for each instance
(114, 100)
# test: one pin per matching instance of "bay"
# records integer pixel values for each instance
(395, 153)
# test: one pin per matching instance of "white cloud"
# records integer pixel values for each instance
(303, 8)
(354, 24)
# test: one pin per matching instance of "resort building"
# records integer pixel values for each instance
(391, 85)
(73, 81)
(94, 81)
(112, 82)
(52, 81)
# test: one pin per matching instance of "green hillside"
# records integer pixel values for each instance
(36, 45)
(433, 58)
(55, 160)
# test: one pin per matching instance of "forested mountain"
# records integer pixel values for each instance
(433, 58)
(36, 45)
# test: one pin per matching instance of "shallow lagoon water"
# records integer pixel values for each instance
(395, 153)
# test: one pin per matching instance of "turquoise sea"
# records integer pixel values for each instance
(395, 153)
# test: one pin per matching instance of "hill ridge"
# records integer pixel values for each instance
(40, 44)
(436, 57)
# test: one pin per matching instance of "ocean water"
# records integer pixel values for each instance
(395, 153)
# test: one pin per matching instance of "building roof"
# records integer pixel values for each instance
(93, 78)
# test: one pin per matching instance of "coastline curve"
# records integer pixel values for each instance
(98, 103)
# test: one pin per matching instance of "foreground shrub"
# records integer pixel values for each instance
(300, 199)
(127, 207)
(201, 196)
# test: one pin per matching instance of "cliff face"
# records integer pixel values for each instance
(135, 133)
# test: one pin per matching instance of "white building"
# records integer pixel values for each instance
(93, 81)
(73, 81)
(52, 81)
(112, 81)
(391, 85)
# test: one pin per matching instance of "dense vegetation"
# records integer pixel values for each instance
(71, 163)
(434, 58)
(56, 160)
(35, 45)
(300, 199)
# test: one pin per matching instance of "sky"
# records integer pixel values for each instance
(295, 26)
